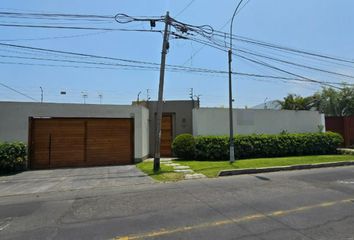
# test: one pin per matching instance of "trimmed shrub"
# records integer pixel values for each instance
(13, 157)
(264, 145)
(184, 146)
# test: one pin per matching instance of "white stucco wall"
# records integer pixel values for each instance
(215, 121)
(14, 118)
(145, 131)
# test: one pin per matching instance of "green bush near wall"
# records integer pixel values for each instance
(13, 157)
(184, 146)
(264, 145)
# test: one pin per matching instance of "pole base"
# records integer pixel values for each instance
(232, 154)
(156, 164)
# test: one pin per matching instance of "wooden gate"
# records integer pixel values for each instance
(166, 136)
(343, 126)
(79, 142)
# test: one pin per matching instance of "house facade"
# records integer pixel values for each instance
(78, 135)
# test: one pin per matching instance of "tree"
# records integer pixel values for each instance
(330, 101)
(296, 102)
(334, 102)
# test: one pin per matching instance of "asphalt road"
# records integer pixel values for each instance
(309, 204)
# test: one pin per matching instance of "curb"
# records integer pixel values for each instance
(224, 173)
(346, 151)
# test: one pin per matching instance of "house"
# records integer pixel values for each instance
(176, 120)
(78, 135)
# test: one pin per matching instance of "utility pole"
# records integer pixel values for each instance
(232, 143)
(160, 96)
(41, 94)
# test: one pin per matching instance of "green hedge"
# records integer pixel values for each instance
(184, 146)
(264, 145)
(13, 157)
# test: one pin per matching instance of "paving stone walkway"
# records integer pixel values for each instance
(179, 168)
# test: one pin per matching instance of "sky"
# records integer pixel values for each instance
(319, 26)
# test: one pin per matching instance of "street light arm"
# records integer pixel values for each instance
(232, 21)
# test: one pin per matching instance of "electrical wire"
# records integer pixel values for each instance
(19, 92)
(77, 28)
(294, 64)
(153, 66)
(276, 59)
(284, 48)
(51, 38)
(185, 8)
(222, 27)
(301, 78)
(56, 16)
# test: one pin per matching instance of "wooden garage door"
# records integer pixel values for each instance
(166, 136)
(61, 142)
(109, 141)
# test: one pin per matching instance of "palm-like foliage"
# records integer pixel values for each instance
(336, 102)
(329, 101)
(296, 102)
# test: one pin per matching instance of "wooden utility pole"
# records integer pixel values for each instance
(160, 97)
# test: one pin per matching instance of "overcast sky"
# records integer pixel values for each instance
(319, 26)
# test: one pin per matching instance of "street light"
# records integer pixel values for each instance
(232, 144)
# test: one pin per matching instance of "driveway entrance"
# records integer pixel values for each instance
(71, 179)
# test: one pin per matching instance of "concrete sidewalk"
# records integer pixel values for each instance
(71, 179)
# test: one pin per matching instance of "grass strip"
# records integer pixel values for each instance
(212, 168)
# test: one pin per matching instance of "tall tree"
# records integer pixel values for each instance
(334, 102)
(296, 102)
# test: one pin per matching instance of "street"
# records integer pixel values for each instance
(308, 204)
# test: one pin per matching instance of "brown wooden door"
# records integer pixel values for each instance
(109, 141)
(166, 136)
(65, 142)
(57, 143)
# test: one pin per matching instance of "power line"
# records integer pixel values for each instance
(77, 28)
(21, 93)
(185, 8)
(197, 70)
(72, 61)
(95, 56)
(220, 47)
(287, 49)
(223, 26)
(294, 64)
(50, 38)
(62, 15)
(153, 66)
(302, 78)
(102, 17)
(250, 75)
(56, 15)
(73, 53)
